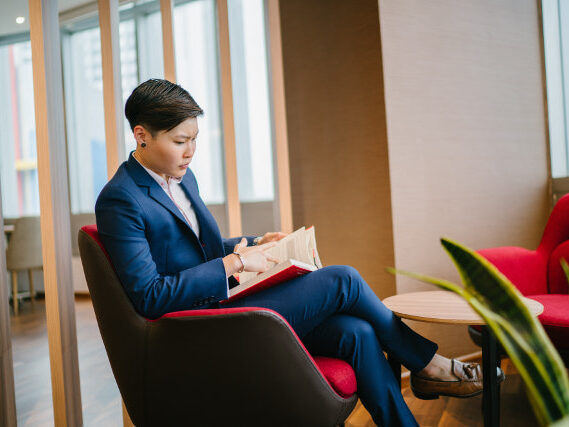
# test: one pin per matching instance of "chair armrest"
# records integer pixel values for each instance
(526, 269)
(211, 312)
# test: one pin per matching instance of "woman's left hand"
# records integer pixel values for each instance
(273, 236)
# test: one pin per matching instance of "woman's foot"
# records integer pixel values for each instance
(439, 368)
(448, 377)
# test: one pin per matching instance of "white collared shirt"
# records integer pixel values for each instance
(176, 193)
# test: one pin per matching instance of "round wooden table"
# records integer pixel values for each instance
(449, 308)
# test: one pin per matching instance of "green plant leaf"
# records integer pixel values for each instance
(565, 268)
(500, 304)
(521, 353)
(547, 376)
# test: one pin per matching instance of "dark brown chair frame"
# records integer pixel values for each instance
(220, 367)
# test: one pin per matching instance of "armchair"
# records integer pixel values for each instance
(538, 274)
(214, 367)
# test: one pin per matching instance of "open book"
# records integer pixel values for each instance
(297, 254)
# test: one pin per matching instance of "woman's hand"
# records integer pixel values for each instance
(273, 236)
(254, 258)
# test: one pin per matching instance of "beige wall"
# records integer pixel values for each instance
(453, 90)
(336, 133)
(466, 130)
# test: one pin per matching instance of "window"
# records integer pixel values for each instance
(196, 42)
(83, 83)
(195, 38)
(18, 162)
(141, 59)
(556, 44)
(251, 103)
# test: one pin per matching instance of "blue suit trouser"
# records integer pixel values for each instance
(336, 314)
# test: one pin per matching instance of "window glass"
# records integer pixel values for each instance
(129, 73)
(197, 71)
(556, 47)
(141, 59)
(18, 161)
(150, 51)
(83, 84)
(251, 105)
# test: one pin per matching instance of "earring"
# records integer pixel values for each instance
(143, 144)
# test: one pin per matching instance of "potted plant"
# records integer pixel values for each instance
(523, 338)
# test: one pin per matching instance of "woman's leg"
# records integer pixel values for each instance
(307, 301)
(353, 340)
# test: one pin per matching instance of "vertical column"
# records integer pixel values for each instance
(7, 393)
(166, 11)
(112, 97)
(54, 206)
(112, 91)
(279, 116)
(231, 183)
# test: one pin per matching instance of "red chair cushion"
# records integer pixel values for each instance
(526, 269)
(556, 280)
(339, 374)
(555, 318)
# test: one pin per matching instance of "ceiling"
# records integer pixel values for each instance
(10, 9)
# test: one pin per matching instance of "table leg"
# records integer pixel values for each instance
(395, 368)
(491, 388)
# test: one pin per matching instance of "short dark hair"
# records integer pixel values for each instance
(160, 105)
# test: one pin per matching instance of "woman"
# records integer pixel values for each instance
(169, 255)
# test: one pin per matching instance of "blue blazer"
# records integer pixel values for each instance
(160, 261)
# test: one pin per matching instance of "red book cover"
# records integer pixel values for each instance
(280, 273)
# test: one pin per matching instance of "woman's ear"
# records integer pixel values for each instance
(140, 134)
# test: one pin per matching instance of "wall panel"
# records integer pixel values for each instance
(336, 132)
(466, 130)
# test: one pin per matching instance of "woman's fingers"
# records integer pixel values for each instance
(272, 236)
(266, 246)
(241, 244)
(279, 235)
(272, 259)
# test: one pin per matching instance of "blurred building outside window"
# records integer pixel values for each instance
(18, 161)
(556, 48)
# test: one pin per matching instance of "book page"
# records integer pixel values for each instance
(292, 246)
(311, 247)
(283, 250)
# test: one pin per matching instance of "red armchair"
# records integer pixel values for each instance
(219, 367)
(538, 274)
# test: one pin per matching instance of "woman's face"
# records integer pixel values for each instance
(169, 153)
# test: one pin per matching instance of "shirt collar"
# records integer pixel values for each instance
(161, 181)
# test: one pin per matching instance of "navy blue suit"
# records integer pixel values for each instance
(164, 267)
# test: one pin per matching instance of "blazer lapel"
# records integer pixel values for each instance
(210, 241)
(209, 232)
(143, 179)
